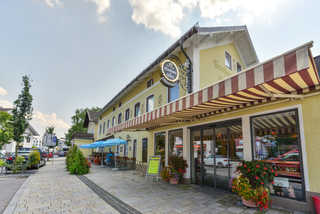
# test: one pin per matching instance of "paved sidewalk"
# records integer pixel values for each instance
(8, 187)
(52, 190)
(157, 198)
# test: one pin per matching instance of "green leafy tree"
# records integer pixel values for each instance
(77, 121)
(6, 130)
(22, 113)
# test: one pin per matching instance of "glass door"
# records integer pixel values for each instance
(216, 151)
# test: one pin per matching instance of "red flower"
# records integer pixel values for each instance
(262, 183)
(245, 166)
(248, 170)
(276, 174)
(264, 173)
(265, 168)
(272, 182)
(272, 170)
(257, 178)
(257, 166)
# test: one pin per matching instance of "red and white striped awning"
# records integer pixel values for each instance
(289, 75)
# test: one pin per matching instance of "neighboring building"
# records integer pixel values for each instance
(230, 108)
(80, 139)
(30, 137)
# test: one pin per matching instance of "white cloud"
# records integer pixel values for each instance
(3, 91)
(159, 15)
(5, 104)
(53, 3)
(166, 15)
(102, 7)
(41, 121)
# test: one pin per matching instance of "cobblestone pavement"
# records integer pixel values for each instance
(149, 197)
(52, 190)
(8, 187)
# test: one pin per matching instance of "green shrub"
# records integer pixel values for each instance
(76, 163)
(20, 160)
(34, 158)
(2, 163)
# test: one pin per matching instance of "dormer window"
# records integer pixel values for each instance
(119, 118)
(228, 60)
(149, 83)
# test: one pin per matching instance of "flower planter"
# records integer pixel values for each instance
(249, 203)
(173, 181)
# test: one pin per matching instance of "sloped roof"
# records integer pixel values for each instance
(91, 116)
(33, 131)
(5, 109)
(196, 29)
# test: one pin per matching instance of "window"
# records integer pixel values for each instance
(238, 67)
(120, 104)
(119, 118)
(113, 121)
(150, 103)
(176, 143)
(137, 109)
(276, 141)
(114, 108)
(118, 149)
(125, 152)
(127, 114)
(121, 148)
(104, 127)
(228, 61)
(173, 92)
(108, 124)
(144, 150)
(100, 129)
(159, 146)
(149, 83)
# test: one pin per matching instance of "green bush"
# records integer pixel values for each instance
(34, 158)
(2, 163)
(76, 163)
(20, 160)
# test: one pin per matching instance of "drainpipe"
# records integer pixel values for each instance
(189, 69)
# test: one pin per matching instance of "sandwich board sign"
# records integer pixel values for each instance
(154, 164)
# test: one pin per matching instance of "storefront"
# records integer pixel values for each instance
(267, 112)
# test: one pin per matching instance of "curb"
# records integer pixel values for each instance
(13, 202)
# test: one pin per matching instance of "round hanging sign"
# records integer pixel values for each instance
(170, 71)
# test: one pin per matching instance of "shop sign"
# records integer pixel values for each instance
(170, 73)
(154, 166)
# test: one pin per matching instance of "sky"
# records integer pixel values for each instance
(81, 53)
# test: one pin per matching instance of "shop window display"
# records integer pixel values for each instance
(176, 143)
(276, 141)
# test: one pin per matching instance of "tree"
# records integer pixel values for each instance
(21, 113)
(77, 121)
(6, 130)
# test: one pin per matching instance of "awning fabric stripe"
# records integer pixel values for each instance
(289, 73)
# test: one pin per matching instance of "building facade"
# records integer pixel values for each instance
(225, 107)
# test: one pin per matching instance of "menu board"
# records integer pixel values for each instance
(154, 166)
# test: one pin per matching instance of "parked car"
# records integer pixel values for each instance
(25, 152)
(221, 161)
(62, 153)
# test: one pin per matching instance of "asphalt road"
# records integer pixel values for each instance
(9, 185)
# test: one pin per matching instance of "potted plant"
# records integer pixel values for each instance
(177, 168)
(253, 183)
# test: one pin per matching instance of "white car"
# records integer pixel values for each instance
(221, 161)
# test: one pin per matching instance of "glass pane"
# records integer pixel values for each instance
(174, 92)
(277, 143)
(195, 156)
(160, 142)
(208, 156)
(222, 170)
(176, 143)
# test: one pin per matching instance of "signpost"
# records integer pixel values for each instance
(154, 165)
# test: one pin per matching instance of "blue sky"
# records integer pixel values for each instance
(80, 53)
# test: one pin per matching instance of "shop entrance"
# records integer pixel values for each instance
(216, 151)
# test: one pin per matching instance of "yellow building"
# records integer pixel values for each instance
(209, 100)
